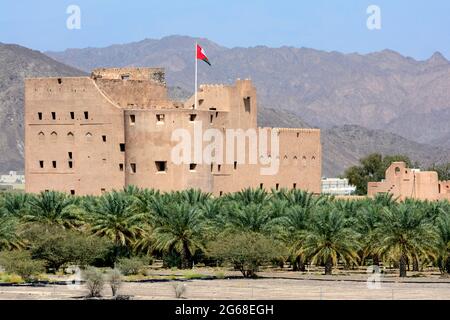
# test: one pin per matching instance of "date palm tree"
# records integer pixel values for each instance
(54, 208)
(328, 239)
(404, 235)
(15, 204)
(9, 238)
(443, 229)
(180, 227)
(115, 217)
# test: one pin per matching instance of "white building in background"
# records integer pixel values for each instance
(12, 178)
(337, 187)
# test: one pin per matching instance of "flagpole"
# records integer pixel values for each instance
(196, 76)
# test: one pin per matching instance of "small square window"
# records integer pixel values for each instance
(192, 117)
(132, 119)
(122, 147)
(121, 166)
(54, 164)
(53, 115)
(133, 167)
(192, 166)
(72, 115)
(86, 115)
(161, 166)
(72, 192)
(41, 164)
(40, 115)
(104, 138)
(160, 118)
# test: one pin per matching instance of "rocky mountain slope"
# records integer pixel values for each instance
(17, 63)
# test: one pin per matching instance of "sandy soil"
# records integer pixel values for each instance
(299, 288)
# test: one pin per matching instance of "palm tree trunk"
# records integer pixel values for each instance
(329, 266)
(376, 260)
(403, 263)
(185, 256)
(447, 265)
(415, 264)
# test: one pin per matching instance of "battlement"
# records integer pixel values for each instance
(145, 74)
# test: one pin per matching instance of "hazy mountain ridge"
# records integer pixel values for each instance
(376, 90)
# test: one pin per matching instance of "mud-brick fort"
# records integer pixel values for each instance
(88, 135)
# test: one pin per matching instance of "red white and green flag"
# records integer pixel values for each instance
(201, 55)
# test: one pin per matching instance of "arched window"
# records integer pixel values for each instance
(53, 136)
(89, 136)
(70, 136)
(41, 135)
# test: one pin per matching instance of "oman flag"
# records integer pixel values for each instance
(201, 54)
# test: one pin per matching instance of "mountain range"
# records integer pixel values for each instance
(382, 90)
(380, 102)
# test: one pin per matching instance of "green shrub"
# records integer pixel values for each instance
(246, 251)
(131, 266)
(58, 247)
(21, 263)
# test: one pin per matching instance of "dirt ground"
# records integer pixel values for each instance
(271, 285)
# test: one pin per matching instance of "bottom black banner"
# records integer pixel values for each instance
(229, 309)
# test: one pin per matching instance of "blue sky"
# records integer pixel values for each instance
(414, 28)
